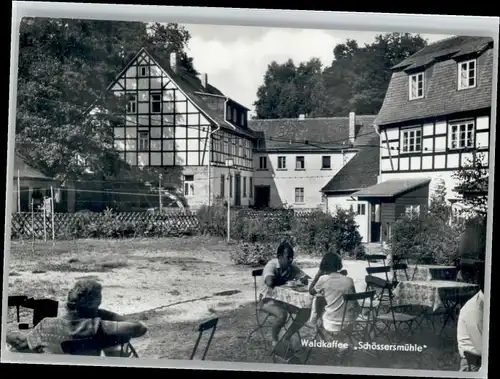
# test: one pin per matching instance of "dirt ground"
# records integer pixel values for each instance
(173, 284)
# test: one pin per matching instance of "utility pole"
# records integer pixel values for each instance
(160, 193)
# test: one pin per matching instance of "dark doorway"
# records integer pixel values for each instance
(262, 196)
(375, 224)
(237, 190)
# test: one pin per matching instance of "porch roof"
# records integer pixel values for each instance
(391, 188)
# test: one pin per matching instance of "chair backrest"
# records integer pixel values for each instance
(379, 270)
(94, 346)
(400, 267)
(372, 258)
(204, 326)
(17, 301)
(384, 286)
(42, 308)
(256, 273)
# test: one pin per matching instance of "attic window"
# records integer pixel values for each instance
(143, 71)
(467, 74)
(416, 86)
(235, 115)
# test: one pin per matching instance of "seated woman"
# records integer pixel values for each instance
(84, 319)
(332, 284)
(277, 272)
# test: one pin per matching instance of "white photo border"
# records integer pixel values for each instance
(374, 22)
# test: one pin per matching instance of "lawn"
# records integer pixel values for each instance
(173, 284)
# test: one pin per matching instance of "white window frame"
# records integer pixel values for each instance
(152, 100)
(409, 209)
(188, 186)
(141, 139)
(132, 103)
(361, 211)
(420, 77)
(408, 132)
(297, 160)
(281, 162)
(298, 195)
(262, 163)
(455, 135)
(463, 83)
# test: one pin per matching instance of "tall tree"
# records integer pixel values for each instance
(65, 66)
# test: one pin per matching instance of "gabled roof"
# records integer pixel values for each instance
(209, 100)
(391, 188)
(441, 94)
(360, 172)
(23, 170)
(311, 134)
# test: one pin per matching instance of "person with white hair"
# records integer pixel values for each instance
(83, 320)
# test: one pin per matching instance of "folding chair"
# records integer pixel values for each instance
(473, 361)
(203, 327)
(400, 267)
(379, 270)
(385, 301)
(17, 301)
(372, 258)
(42, 308)
(350, 332)
(260, 316)
(94, 345)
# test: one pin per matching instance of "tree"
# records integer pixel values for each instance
(438, 204)
(65, 67)
(472, 185)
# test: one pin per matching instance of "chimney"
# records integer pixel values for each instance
(173, 62)
(352, 127)
(302, 116)
(204, 80)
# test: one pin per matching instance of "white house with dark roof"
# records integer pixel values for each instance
(360, 172)
(435, 115)
(175, 119)
(295, 158)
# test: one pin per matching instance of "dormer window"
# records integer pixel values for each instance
(228, 113)
(235, 115)
(467, 74)
(416, 86)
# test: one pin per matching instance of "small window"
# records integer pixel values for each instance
(411, 140)
(143, 141)
(300, 163)
(132, 104)
(230, 186)
(188, 185)
(222, 186)
(281, 163)
(263, 163)
(250, 187)
(229, 113)
(416, 86)
(326, 162)
(143, 71)
(361, 209)
(235, 116)
(156, 103)
(299, 195)
(412, 210)
(244, 185)
(462, 135)
(467, 74)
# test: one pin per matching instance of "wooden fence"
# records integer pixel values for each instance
(27, 226)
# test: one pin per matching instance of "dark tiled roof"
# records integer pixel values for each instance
(391, 188)
(360, 172)
(441, 94)
(25, 171)
(321, 133)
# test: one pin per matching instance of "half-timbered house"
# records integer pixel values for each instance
(176, 119)
(434, 118)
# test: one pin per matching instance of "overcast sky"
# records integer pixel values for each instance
(235, 58)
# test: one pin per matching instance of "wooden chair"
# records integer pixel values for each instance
(390, 316)
(203, 327)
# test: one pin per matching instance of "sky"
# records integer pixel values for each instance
(235, 58)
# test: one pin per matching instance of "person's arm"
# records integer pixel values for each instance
(123, 329)
(465, 340)
(110, 316)
(300, 275)
(19, 341)
(313, 287)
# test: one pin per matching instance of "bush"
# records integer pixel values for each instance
(425, 239)
(212, 220)
(253, 254)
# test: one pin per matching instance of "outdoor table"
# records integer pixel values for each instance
(434, 295)
(431, 272)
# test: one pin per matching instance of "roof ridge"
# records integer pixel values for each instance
(311, 118)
